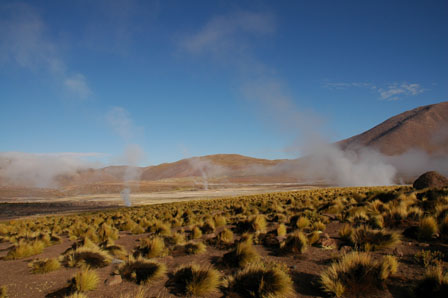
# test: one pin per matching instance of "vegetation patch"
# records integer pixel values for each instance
(192, 280)
(433, 284)
(44, 266)
(141, 270)
(356, 274)
(262, 281)
(85, 280)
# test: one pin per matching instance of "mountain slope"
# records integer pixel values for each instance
(424, 128)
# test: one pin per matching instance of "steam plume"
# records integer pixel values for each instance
(42, 170)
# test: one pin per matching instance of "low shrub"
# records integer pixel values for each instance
(195, 248)
(151, 248)
(296, 242)
(141, 270)
(259, 280)
(281, 230)
(220, 221)
(196, 233)
(433, 284)
(44, 266)
(3, 292)
(91, 256)
(428, 258)
(192, 280)
(357, 274)
(427, 228)
(370, 240)
(243, 255)
(85, 280)
(225, 237)
(25, 249)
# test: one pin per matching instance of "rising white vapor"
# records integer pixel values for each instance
(40, 170)
(228, 38)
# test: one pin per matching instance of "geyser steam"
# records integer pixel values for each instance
(132, 156)
(126, 197)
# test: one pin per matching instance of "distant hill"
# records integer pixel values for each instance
(424, 128)
(218, 165)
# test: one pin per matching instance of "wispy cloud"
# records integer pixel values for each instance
(113, 26)
(119, 119)
(78, 85)
(391, 91)
(228, 32)
(346, 85)
(24, 42)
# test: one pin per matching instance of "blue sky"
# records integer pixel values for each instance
(190, 78)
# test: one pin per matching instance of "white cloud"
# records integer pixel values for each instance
(346, 85)
(224, 32)
(392, 91)
(24, 41)
(78, 85)
(121, 122)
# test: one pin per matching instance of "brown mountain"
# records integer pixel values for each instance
(210, 165)
(424, 128)
(218, 165)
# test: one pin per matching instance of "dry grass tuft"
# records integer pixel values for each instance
(356, 274)
(151, 248)
(141, 270)
(91, 256)
(281, 230)
(261, 281)
(85, 280)
(225, 237)
(25, 249)
(370, 240)
(192, 280)
(195, 248)
(3, 292)
(44, 266)
(434, 283)
(296, 242)
(428, 228)
(243, 255)
(77, 295)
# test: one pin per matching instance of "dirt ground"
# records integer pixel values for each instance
(304, 269)
(21, 206)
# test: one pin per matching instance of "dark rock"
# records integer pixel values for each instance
(113, 280)
(345, 249)
(431, 179)
(398, 252)
(326, 242)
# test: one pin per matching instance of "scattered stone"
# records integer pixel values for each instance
(326, 242)
(430, 179)
(117, 261)
(209, 236)
(421, 244)
(270, 240)
(398, 252)
(280, 239)
(346, 249)
(113, 280)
